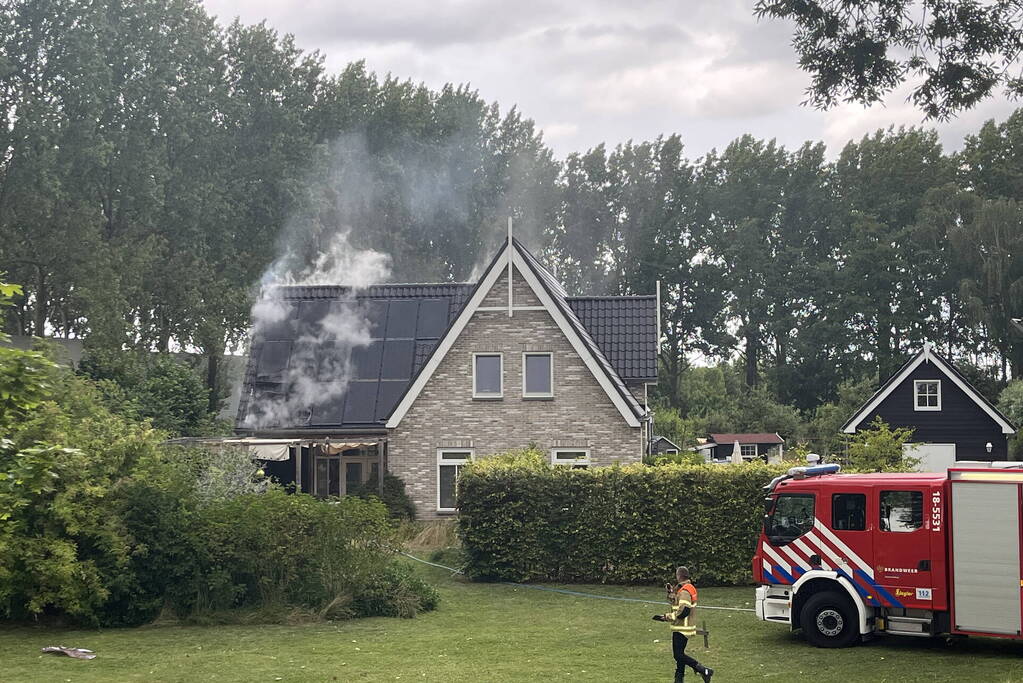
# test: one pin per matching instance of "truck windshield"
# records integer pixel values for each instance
(791, 518)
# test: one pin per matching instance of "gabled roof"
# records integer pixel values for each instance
(409, 322)
(667, 441)
(758, 437)
(927, 355)
(554, 298)
(625, 330)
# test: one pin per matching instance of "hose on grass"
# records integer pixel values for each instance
(565, 591)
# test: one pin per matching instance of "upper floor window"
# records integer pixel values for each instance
(748, 450)
(849, 512)
(537, 375)
(927, 394)
(576, 458)
(487, 375)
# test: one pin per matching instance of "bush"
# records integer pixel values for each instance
(396, 592)
(880, 449)
(523, 520)
(278, 549)
(399, 505)
(157, 387)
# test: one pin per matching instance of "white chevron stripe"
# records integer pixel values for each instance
(799, 543)
(798, 561)
(828, 534)
(824, 548)
(776, 557)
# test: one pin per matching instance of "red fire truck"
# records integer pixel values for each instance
(844, 555)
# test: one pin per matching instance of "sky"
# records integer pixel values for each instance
(600, 71)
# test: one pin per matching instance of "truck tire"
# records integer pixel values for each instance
(829, 620)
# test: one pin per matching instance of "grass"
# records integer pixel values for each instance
(496, 633)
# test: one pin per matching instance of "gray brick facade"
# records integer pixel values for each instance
(445, 414)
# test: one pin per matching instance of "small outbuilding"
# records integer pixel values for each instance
(950, 419)
(662, 445)
(752, 446)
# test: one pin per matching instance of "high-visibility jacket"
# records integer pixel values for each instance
(684, 597)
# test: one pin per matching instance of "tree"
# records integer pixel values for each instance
(888, 290)
(961, 51)
(746, 199)
(880, 449)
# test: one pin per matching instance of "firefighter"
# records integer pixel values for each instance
(682, 601)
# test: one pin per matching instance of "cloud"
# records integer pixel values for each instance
(602, 71)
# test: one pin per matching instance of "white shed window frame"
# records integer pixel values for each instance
(744, 450)
(583, 461)
(451, 462)
(537, 394)
(917, 383)
(500, 357)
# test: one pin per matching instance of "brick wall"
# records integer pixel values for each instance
(446, 415)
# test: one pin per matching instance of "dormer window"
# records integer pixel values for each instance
(927, 394)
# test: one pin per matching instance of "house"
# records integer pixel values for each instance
(662, 445)
(752, 445)
(453, 372)
(950, 418)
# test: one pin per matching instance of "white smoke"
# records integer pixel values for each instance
(319, 367)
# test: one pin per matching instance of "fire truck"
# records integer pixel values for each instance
(841, 556)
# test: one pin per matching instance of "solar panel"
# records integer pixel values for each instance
(401, 319)
(397, 359)
(284, 328)
(375, 312)
(433, 318)
(329, 411)
(388, 397)
(311, 315)
(361, 402)
(273, 360)
(366, 360)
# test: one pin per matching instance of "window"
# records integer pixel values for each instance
(487, 374)
(576, 458)
(671, 451)
(902, 511)
(849, 512)
(791, 516)
(327, 476)
(748, 450)
(449, 464)
(537, 375)
(927, 394)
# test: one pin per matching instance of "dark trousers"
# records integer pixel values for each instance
(682, 660)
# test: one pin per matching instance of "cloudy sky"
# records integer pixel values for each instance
(598, 71)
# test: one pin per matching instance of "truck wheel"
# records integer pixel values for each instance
(828, 620)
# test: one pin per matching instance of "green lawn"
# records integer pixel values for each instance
(485, 633)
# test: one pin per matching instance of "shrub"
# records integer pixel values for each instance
(280, 549)
(399, 505)
(397, 591)
(523, 520)
(880, 449)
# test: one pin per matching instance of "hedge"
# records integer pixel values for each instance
(521, 519)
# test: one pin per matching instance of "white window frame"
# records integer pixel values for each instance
(743, 450)
(500, 357)
(671, 451)
(583, 461)
(451, 462)
(549, 394)
(916, 394)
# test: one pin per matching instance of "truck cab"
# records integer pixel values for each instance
(840, 556)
